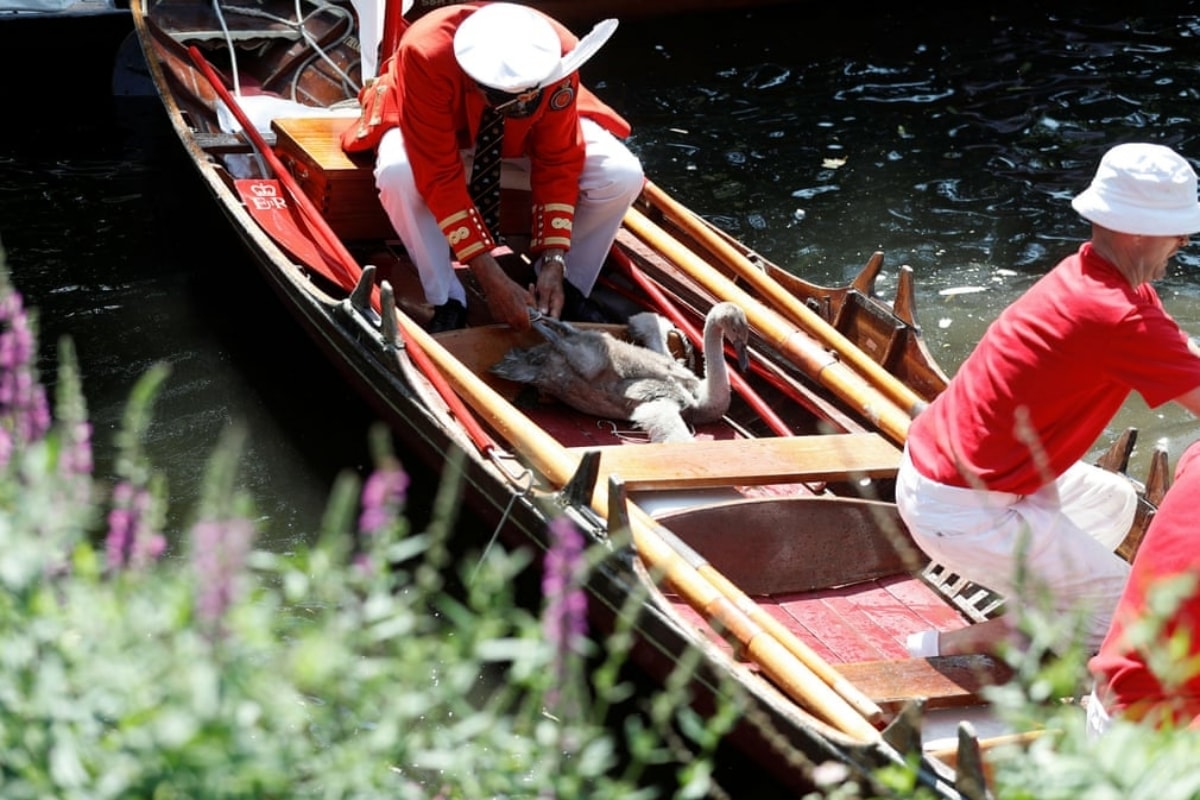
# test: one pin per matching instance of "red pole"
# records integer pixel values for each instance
(342, 257)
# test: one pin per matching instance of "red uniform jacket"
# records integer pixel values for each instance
(438, 109)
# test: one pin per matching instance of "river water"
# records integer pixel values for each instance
(950, 137)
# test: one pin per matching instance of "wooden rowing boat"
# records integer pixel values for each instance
(768, 545)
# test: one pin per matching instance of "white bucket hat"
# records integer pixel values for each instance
(515, 49)
(1145, 189)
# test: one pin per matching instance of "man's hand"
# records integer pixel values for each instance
(506, 299)
(548, 292)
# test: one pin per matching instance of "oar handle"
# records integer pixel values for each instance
(796, 345)
(793, 308)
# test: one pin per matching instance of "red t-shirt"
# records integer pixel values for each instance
(1048, 376)
(1171, 549)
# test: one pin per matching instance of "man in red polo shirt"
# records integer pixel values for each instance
(559, 139)
(991, 482)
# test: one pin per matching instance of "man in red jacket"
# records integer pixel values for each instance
(559, 139)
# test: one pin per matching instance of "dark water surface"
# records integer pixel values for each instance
(951, 137)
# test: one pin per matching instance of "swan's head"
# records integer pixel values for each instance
(732, 322)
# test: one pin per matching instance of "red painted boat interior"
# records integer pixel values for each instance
(863, 622)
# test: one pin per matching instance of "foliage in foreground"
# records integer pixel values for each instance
(346, 668)
(1130, 761)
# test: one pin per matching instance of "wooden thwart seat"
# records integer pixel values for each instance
(750, 462)
(943, 681)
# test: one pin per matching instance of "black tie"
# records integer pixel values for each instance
(485, 171)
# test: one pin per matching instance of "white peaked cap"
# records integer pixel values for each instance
(513, 48)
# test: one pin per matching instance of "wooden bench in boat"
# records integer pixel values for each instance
(750, 462)
(943, 681)
(341, 185)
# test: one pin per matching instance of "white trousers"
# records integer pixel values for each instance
(611, 180)
(1051, 548)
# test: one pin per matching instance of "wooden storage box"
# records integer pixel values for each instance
(340, 184)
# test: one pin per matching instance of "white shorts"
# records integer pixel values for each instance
(1051, 549)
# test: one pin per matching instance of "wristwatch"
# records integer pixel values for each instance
(555, 258)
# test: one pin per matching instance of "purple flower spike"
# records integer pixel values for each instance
(564, 620)
(24, 410)
(77, 458)
(131, 542)
(219, 551)
(383, 499)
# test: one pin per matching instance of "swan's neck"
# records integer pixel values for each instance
(714, 390)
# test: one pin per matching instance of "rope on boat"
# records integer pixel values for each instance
(299, 25)
(317, 49)
(526, 475)
(233, 67)
(623, 434)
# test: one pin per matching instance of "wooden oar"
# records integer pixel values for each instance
(728, 611)
(804, 351)
(788, 303)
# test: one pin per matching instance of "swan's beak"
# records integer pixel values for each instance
(743, 358)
